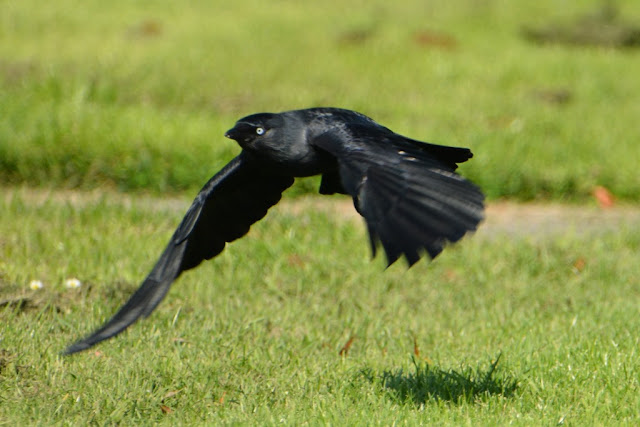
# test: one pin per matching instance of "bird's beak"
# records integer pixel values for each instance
(229, 133)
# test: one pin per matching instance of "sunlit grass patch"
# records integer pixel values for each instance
(257, 334)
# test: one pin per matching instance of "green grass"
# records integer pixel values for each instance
(137, 95)
(254, 336)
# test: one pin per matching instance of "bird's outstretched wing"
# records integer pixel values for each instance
(407, 191)
(236, 197)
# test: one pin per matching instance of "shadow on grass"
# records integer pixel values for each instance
(425, 382)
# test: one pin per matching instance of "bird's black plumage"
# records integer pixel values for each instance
(412, 200)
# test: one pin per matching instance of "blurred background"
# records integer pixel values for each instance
(136, 96)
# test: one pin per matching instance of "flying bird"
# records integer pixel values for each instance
(412, 200)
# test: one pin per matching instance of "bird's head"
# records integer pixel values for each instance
(253, 131)
(279, 139)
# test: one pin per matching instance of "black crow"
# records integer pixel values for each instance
(407, 191)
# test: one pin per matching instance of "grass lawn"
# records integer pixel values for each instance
(255, 336)
(529, 324)
(137, 95)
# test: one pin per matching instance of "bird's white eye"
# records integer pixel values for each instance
(259, 131)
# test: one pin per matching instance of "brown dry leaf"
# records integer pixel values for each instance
(145, 29)
(165, 409)
(603, 196)
(451, 275)
(428, 38)
(416, 352)
(579, 265)
(345, 349)
(221, 400)
(296, 260)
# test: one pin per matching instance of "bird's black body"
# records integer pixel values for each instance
(407, 191)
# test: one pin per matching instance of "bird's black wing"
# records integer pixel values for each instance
(236, 197)
(407, 191)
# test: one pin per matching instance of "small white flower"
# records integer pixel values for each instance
(72, 283)
(36, 284)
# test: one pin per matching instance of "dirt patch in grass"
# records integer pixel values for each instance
(502, 217)
(510, 218)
